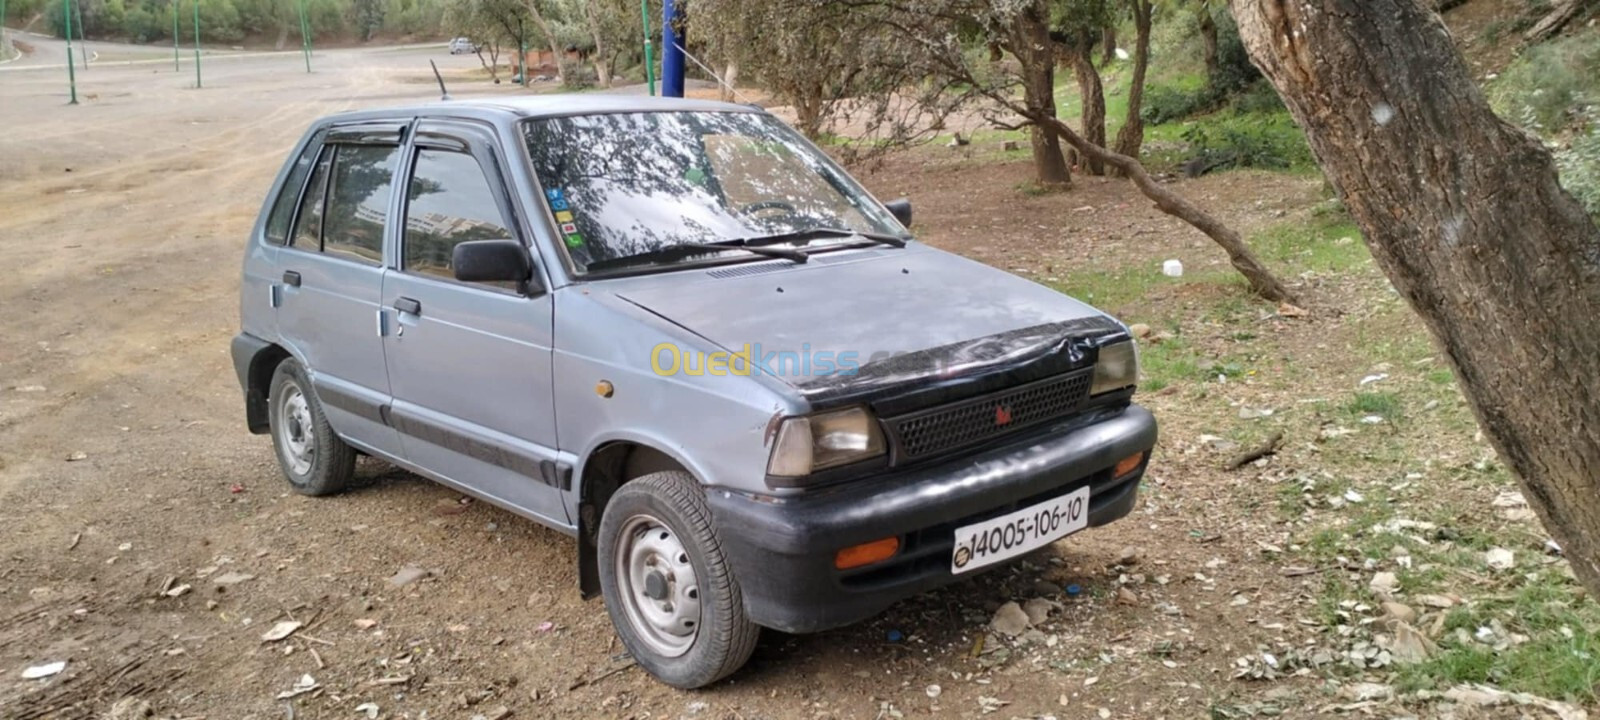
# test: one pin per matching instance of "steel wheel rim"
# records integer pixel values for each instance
(295, 436)
(664, 612)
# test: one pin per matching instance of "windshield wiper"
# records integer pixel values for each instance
(811, 233)
(690, 249)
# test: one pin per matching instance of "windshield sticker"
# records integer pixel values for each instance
(574, 240)
(554, 194)
(559, 204)
(562, 216)
(569, 229)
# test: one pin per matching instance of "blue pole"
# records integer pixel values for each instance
(672, 25)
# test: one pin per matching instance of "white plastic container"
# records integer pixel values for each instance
(1172, 268)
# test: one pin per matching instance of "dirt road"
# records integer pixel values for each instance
(147, 540)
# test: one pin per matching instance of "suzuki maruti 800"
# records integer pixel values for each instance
(679, 333)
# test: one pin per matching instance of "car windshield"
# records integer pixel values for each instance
(633, 184)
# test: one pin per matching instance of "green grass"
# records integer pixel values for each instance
(1383, 404)
(1325, 245)
(1560, 659)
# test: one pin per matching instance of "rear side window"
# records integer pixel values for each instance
(283, 207)
(450, 201)
(358, 202)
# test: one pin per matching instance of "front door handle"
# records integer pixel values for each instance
(291, 277)
(408, 305)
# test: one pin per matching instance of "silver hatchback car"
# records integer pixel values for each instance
(678, 332)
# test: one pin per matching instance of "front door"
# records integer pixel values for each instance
(469, 363)
(332, 281)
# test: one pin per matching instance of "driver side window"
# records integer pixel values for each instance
(449, 201)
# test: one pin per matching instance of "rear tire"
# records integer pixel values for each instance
(314, 459)
(672, 596)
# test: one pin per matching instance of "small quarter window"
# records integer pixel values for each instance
(308, 229)
(283, 207)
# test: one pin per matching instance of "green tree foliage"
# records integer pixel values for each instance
(238, 21)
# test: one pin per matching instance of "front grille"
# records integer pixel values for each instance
(968, 422)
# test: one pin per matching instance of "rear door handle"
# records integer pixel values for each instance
(291, 277)
(408, 305)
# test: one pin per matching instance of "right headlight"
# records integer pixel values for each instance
(818, 442)
(1117, 368)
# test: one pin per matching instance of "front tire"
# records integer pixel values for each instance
(314, 459)
(672, 596)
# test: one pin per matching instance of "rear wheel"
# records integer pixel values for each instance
(314, 459)
(668, 587)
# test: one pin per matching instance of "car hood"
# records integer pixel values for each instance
(898, 314)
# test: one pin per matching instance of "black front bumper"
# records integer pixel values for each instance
(782, 550)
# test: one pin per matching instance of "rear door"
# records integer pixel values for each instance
(332, 281)
(469, 363)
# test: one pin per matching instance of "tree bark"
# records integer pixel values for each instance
(1034, 50)
(1108, 45)
(1208, 34)
(1130, 139)
(1092, 94)
(1466, 216)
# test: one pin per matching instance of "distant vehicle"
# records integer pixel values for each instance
(463, 46)
(678, 332)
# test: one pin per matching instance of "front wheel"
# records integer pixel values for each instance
(668, 587)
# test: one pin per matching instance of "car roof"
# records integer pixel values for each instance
(536, 106)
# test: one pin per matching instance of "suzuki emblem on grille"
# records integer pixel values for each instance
(1002, 416)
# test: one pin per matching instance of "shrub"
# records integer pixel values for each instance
(1552, 84)
(1255, 140)
(1167, 103)
(1580, 169)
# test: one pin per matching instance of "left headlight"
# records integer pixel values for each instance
(1117, 368)
(818, 442)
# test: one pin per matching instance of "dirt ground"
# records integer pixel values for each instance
(126, 474)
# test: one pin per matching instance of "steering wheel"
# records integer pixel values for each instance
(756, 207)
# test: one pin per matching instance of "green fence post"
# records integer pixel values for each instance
(72, 75)
(197, 44)
(649, 62)
(176, 66)
(305, 35)
(3, 42)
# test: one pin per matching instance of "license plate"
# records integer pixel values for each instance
(1025, 530)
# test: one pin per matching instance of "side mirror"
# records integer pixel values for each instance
(491, 261)
(901, 210)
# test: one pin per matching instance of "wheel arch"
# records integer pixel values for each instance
(608, 467)
(258, 382)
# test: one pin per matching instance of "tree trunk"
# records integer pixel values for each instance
(1465, 215)
(1208, 34)
(1108, 45)
(1034, 50)
(730, 80)
(1092, 94)
(602, 69)
(1553, 21)
(556, 55)
(492, 64)
(1130, 140)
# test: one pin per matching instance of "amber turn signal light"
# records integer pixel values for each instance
(866, 553)
(1127, 465)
